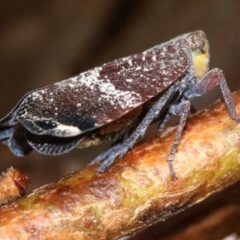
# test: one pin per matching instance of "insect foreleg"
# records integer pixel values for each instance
(209, 81)
(121, 149)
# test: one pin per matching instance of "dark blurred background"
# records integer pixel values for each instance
(42, 42)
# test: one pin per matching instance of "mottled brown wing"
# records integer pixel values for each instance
(101, 95)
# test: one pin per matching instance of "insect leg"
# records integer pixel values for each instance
(111, 149)
(169, 113)
(114, 146)
(208, 82)
(182, 109)
(164, 121)
(121, 149)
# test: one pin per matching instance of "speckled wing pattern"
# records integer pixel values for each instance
(101, 95)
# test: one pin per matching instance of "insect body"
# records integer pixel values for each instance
(102, 104)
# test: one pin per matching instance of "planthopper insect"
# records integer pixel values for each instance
(107, 102)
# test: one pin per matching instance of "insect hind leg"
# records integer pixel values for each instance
(121, 149)
(117, 141)
(113, 148)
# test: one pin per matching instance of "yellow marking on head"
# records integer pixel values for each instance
(198, 45)
(201, 64)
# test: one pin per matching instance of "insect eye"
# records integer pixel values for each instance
(201, 50)
(196, 42)
(46, 124)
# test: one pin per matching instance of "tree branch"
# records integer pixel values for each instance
(137, 190)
